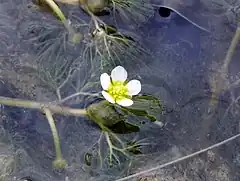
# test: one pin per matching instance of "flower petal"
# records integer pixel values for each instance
(119, 74)
(134, 87)
(105, 81)
(125, 102)
(108, 97)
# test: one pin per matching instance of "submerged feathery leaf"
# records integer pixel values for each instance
(114, 47)
(131, 10)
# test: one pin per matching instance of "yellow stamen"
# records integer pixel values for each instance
(118, 90)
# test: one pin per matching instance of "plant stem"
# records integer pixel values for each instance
(219, 80)
(59, 162)
(37, 105)
(110, 146)
(75, 37)
(231, 49)
(54, 133)
(56, 10)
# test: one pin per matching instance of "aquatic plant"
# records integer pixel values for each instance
(101, 47)
(107, 47)
(132, 11)
(103, 114)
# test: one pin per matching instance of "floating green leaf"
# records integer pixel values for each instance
(109, 119)
(104, 113)
(147, 106)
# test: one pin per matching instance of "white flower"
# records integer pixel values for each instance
(116, 89)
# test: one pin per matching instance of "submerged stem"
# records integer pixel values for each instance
(75, 37)
(38, 105)
(56, 10)
(219, 82)
(110, 147)
(59, 162)
(54, 133)
(231, 49)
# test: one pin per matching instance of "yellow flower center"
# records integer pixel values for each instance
(118, 90)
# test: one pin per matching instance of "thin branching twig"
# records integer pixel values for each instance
(180, 159)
